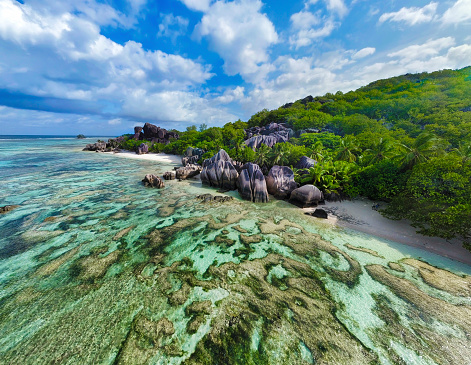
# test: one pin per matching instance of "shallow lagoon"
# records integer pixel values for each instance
(95, 268)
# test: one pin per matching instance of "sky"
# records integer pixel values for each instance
(101, 67)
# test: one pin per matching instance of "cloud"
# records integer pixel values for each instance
(93, 74)
(362, 53)
(308, 26)
(424, 51)
(198, 5)
(337, 6)
(116, 121)
(412, 16)
(460, 12)
(172, 26)
(241, 35)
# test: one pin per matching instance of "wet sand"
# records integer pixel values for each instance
(359, 215)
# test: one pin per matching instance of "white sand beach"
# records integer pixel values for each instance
(359, 215)
(158, 157)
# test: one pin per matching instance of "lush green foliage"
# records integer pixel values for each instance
(405, 140)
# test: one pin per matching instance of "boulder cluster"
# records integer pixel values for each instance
(153, 181)
(102, 146)
(154, 134)
(192, 156)
(269, 135)
(219, 171)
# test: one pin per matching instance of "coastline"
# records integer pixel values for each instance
(357, 215)
(157, 157)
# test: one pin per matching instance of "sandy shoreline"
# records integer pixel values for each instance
(358, 215)
(157, 157)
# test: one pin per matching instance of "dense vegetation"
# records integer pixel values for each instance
(405, 140)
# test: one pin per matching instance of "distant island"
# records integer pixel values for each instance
(404, 140)
(81, 136)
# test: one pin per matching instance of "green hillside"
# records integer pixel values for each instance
(404, 140)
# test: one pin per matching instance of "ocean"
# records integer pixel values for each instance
(97, 269)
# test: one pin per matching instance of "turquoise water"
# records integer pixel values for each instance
(97, 269)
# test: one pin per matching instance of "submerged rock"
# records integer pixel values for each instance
(99, 146)
(153, 181)
(319, 213)
(170, 175)
(7, 208)
(306, 196)
(206, 198)
(252, 184)
(219, 171)
(187, 171)
(280, 181)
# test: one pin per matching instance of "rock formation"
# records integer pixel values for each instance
(153, 181)
(102, 146)
(7, 208)
(219, 171)
(256, 141)
(319, 213)
(280, 182)
(306, 196)
(192, 155)
(156, 134)
(170, 175)
(252, 185)
(137, 133)
(207, 198)
(306, 163)
(269, 135)
(142, 149)
(188, 171)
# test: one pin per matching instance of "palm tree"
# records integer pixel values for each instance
(348, 147)
(382, 150)
(263, 152)
(318, 152)
(425, 146)
(279, 154)
(463, 151)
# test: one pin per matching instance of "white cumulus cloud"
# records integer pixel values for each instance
(458, 13)
(412, 16)
(241, 35)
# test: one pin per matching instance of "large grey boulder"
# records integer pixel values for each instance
(137, 133)
(306, 163)
(280, 181)
(256, 141)
(221, 174)
(220, 156)
(188, 171)
(192, 156)
(306, 196)
(170, 175)
(142, 149)
(252, 184)
(219, 171)
(153, 181)
(99, 146)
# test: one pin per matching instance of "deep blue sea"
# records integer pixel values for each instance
(97, 269)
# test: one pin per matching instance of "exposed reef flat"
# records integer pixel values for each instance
(98, 269)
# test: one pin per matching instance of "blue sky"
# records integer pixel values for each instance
(103, 66)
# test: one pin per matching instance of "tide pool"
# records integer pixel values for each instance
(97, 269)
